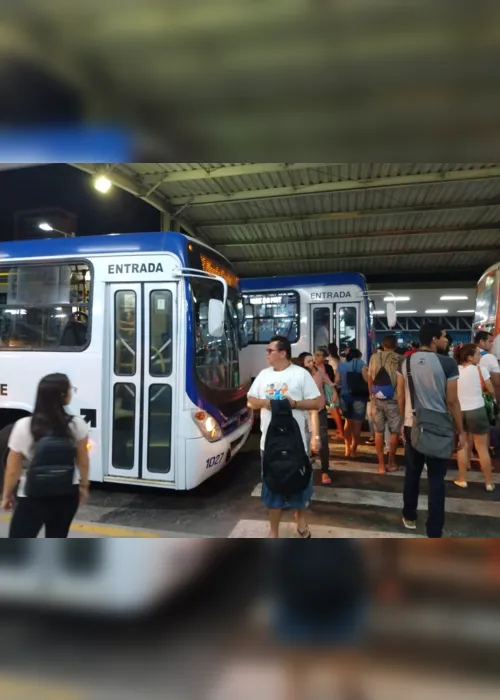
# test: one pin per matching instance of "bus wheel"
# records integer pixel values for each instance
(4, 450)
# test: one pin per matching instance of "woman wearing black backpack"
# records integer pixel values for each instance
(54, 445)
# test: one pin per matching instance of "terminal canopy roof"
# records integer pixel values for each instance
(390, 221)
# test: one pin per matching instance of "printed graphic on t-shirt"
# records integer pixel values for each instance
(276, 391)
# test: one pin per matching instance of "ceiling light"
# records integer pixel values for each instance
(436, 311)
(102, 184)
(466, 311)
(453, 298)
(378, 313)
(402, 312)
(396, 298)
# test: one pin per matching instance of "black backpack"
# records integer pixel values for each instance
(356, 385)
(286, 467)
(334, 567)
(51, 471)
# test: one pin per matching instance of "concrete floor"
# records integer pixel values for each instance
(359, 502)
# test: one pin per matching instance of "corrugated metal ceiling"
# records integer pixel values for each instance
(380, 219)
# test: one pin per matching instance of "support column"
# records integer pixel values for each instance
(165, 221)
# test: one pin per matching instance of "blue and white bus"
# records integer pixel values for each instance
(310, 310)
(148, 327)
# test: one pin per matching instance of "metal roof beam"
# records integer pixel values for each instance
(134, 186)
(494, 250)
(358, 214)
(228, 170)
(358, 236)
(339, 186)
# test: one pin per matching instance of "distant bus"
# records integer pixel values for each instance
(310, 310)
(148, 327)
(487, 317)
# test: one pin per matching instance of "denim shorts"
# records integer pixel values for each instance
(353, 409)
(343, 628)
(299, 501)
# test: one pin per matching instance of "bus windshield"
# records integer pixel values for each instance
(487, 295)
(216, 359)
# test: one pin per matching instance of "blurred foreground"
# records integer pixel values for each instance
(282, 79)
(433, 627)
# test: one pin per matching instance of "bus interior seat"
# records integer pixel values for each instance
(74, 335)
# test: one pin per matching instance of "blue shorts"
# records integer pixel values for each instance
(353, 409)
(275, 501)
(346, 628)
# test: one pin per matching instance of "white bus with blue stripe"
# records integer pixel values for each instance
(310, 310)
(149, 328)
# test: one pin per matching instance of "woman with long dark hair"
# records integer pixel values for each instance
(54, 445)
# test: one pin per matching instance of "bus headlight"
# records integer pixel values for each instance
(208, 425)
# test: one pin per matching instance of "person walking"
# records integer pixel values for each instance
(321, 380)
(56, 480)
(428, 396)
(284, 381)
(382, 382)
(484, 342)
(473, 382)
(352, 377)
(333, 361)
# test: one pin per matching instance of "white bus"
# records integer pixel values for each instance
(310, 310)
(148, 327)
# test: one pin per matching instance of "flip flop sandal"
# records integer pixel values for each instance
(305, 534)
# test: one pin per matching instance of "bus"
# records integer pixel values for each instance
(487, 317)
(310, 310)
(148, 327)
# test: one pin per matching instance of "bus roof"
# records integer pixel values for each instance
(99, 245)
(322, 279)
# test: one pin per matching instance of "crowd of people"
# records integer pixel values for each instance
(431, 397)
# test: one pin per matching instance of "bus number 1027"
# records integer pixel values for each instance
(213, 461)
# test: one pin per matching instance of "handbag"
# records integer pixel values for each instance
(490, 404)
(432, 432)
(356, 385)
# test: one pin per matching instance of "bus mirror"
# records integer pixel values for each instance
(391, 314)
(216, 318)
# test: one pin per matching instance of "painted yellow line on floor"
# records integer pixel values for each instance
(101, 530)
(19, 687)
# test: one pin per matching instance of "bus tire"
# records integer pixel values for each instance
(4, 450)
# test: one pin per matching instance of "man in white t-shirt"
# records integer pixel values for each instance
(285, 381)
(484, 342)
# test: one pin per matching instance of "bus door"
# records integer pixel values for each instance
(348, 327)
(142, 356)
(322, 325)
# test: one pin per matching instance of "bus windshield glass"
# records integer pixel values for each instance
(216, 359)
(45, 307)
(487, 296)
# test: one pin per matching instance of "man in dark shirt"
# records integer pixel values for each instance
(435, 378)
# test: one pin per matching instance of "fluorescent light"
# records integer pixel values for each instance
(378, 313)
(396, 298)
(102, 184)
(466, 311)
(45, 226)
(402, 312)
(436, 311)
(453, 298)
